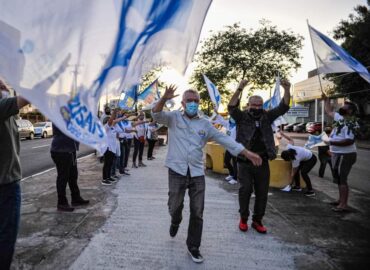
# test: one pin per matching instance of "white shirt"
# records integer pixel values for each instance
(126, 125)
(302, 154)
(343, 134)
(111, 139)
(149, 131)
(141, 130)
(187, 138)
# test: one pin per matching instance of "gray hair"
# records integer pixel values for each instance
(254, 97)
(190, 91)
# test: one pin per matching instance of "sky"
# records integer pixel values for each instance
(324, 15)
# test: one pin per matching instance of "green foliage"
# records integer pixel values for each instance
(355, 34)
(235, 53)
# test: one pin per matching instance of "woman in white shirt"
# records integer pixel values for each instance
(139, 140)
(302, 163)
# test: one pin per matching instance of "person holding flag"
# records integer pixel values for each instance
(188, 134)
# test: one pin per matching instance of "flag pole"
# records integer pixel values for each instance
(318, 75)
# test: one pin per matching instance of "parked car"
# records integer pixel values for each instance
(289, 128)
(300, 128)
(25, 129)
(43, 129)
(314, 127)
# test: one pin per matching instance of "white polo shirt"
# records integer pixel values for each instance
(302, 154)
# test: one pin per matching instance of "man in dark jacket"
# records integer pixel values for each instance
(63, 152)
(10, 174)
(254, 131)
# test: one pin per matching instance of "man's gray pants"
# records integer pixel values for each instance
(178, 184)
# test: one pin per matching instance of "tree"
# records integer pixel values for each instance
(355, 34)
(236, 53)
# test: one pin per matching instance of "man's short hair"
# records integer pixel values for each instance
(190, 91)
(254, 97)
(352, 106)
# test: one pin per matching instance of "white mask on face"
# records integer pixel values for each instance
(5, 94)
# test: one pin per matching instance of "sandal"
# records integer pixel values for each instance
(340, 210)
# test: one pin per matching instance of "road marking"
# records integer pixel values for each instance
(48, 170)
(40, 146)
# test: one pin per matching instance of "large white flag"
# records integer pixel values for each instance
(62, 55)
(331, 58)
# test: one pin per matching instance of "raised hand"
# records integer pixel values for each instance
(253, 157)
(285, 84)
(243, 83)
(170, 92)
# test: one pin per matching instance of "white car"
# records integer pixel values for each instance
(43, 129)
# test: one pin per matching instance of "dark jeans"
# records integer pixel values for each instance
(127, 145)
(66, 164)
(178, 184)
(233, 168)
(151, 144)
(304, 168)
(108, 163)
(121, 161)
(257, 179)
(325, 159)
(138, 149)
(10, 206)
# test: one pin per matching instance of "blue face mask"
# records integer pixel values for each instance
(191, 108)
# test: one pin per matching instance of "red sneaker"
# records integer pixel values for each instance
(243, 226)
(259, 227)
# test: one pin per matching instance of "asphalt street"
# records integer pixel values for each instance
(35, 155)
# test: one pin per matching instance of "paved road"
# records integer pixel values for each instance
(359, 177)
(35, 155)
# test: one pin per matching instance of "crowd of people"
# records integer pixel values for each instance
(249, 143)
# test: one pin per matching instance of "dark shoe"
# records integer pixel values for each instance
(259, 227)
(141, 164)
(115, 177)
(310, 193)
(65, 208)
(80, 202)
(296, 188)
(173, 230)
(126, 173)
(153, 157)
(106, 182)
(134, 165)
(243, 226)
(340, 210)
(112, 180)
(195, 255)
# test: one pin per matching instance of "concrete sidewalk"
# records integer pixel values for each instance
(126, 227)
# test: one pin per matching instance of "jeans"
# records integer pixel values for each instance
(304, 168)
(66, 164)
(10, 207)
(253, 178)
(151, 144)
(108, 163)
(324, 158)
(178, 184)
(127, 145)
(138, 149)
(233, 168)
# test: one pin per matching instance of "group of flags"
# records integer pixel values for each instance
(61, 57)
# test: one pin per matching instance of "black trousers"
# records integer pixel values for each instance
(151, 144)
(325, 159)
(67, 171)
(108, 163)
(257, 179)
(304, 168)
(138, 149)
(178, 184)
(127, 145)
(231, 164)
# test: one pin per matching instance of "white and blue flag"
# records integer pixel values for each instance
(64, 55)
(214, 94)
(331, 58)
(273, 102)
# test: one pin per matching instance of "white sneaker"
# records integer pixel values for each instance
(228, 178)
(287, 188)
(233, 181)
